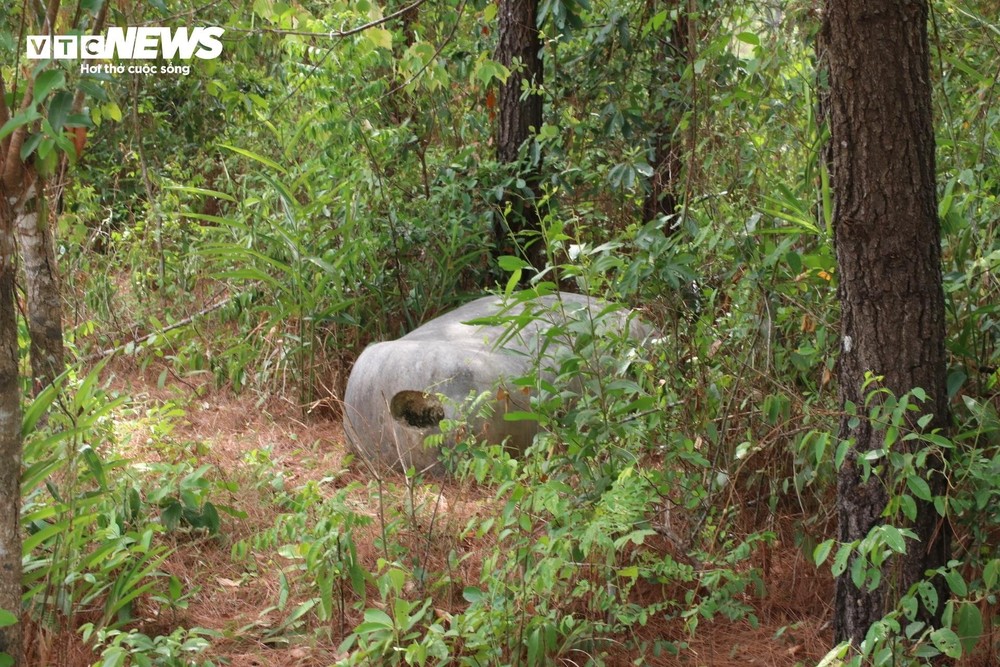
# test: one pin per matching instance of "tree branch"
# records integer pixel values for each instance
(12, 165)
(142, 339)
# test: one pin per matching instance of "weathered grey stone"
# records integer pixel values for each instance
(393, 403)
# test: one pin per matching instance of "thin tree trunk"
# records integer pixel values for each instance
(10, 438)
(670, 63)
(889, 257)
(518, 119)
(43, 294)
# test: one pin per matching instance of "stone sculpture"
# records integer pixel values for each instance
(400, 390)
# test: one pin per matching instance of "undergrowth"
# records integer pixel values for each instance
(271, 235)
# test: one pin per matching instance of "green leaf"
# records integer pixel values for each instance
(835, 655)
(840, 561)
(29, 146)
(956, 583)
(171, 515)
(377, 617)
(254, 156)
(947, 642)
(487, 70)
(201, 191)
(894, 539)
(522, 415)
(797, 220)
(512, 263)
(969, 623)
(821, 551)
(302, 610)
(908, 506)
(956, 378)
(380, 37)
(919, 486)
(17, 120)
(59, 108)
(92, 89)
(928, 595)
(991, 574)
(842, 449)
(7, 619)
(46, 82)
(859, 570)
(113, 111)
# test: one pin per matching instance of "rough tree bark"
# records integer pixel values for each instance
(10, 437)
(43, 293)
(12, 175)
(889, 257)
(519, 49)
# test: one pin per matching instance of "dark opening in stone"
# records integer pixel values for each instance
(416, 408)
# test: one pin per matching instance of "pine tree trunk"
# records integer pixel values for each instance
(10, 438)
(888, 250)
(44, 300)
(519, 48)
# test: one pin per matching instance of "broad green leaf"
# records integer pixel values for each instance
(919, 486)
(928, 595)
(908, 506)
(59, 108)
(511, 263)
(947, 642)
(17, 120)
(380, 37)
(956, 583)
(46, 82)
(486, 70)
(29, 146)
(969, 624)
(377, 617)
(991, 574)
(840, 561)
(894, 539)
(92, 89)
(822, 551)
(113, 111)
(859, 570)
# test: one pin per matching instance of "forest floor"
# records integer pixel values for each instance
(239, 598)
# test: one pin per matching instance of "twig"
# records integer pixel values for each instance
(142, 339)
(331, 33)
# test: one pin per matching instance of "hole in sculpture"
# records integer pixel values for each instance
(416, 409)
